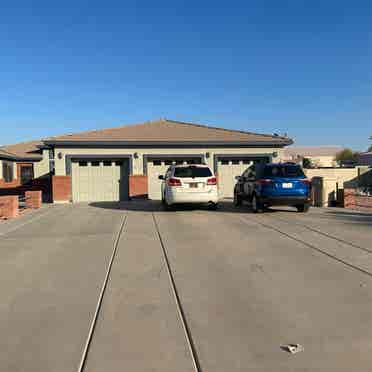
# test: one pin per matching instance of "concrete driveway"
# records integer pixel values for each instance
(108, 287)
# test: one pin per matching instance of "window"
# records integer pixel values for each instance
(192, 172)
(7, 171)
(27, 174)
(283, 171)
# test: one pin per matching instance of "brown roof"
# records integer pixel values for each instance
(24, 150)
(6, 154)
(165, 130)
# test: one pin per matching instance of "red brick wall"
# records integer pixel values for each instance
(33, 199)
(363, 203)
(138, 185)
(61, 186)
(9, 206)
(9, 185)
(353, 201)
(349, 198)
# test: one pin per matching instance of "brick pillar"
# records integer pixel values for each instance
(349, 198)
(9, 206)
(138, 185)
(33, 199)
(61, 189)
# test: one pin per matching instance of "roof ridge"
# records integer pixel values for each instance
(225, 129)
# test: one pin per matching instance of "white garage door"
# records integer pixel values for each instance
(227, 171)
(157, 167)
(104, 180)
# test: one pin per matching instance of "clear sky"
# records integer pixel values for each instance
(297, 67)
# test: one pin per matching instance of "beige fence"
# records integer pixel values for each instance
(328, 183)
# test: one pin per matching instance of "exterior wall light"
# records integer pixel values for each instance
(135, 155)
(207, 155)
(275, 154)
(60, 155)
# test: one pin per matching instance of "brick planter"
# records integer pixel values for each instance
(33, 199)
(9, 206)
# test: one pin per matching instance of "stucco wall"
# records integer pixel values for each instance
(42, 167)
(343, 176)
(60, 164)
(1, 169)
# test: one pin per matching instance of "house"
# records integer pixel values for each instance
(119, 163)
(323, 156)
(365, 158)
(23, 162)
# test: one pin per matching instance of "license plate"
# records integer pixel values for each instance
(193, 185)
(287, 185)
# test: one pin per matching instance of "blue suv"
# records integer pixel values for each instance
(264, 185)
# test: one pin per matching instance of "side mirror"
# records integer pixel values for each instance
(161, 177)
(238, 178)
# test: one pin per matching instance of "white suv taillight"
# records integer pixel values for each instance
(174, 182)
(212, 181)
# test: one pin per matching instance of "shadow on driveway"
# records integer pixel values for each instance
(144, 205)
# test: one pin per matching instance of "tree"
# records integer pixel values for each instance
(347, 156)
(369, 149)
(306, 163)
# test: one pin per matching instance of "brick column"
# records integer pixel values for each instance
(9, 206)
(138, 185)
(33, 199)
(349, 198)
(61, 189)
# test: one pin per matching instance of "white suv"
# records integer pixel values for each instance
(189, 184)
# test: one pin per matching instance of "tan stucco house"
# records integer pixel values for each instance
(320, 156)
(118, 163)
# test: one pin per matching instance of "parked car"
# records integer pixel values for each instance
(189, 184)
(265, 185)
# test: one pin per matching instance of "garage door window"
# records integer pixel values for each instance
(107, 163)
(83, 164)
(95, 163)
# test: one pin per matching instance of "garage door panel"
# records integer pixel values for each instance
(99, 181)
(229, 169)
(157, 167)
(154, 170)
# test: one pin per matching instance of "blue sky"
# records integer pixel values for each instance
(297, 67)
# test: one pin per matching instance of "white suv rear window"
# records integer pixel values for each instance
(192, 172)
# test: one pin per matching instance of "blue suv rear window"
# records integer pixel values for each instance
(284, 171)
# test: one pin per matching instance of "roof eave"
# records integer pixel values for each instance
(7, 157)
(272, 143)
